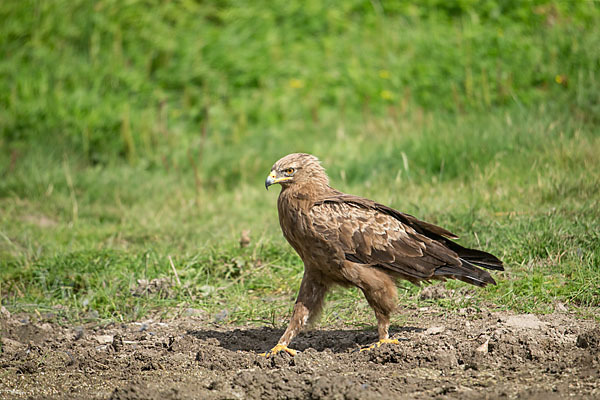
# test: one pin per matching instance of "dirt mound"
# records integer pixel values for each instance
(471, 354)
(590, 340)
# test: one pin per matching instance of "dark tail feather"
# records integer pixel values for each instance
(466, 273)
(476, 257)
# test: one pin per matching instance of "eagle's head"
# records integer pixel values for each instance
(297, 169)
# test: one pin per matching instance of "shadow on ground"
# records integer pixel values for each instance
(262, 339)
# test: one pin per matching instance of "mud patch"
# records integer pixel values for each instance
(465, 355)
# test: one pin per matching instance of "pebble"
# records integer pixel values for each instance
(484, 348)
(104, 339)
(434, 330)
(4, 312)
(527, 321)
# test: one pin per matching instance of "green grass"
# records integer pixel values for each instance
(131, 135)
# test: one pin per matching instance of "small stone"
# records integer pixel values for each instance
(434, 330)
(484, 348)
(4, 312)
(221, 315)
(526, 321)
(78, 333)
(46, 327)
(104, 339)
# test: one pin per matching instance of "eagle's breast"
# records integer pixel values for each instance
(296, 225)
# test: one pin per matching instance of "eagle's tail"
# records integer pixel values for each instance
(470, 256)
(479, 258)
(476, 257)
(467, 272)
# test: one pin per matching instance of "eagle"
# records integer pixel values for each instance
(353, 241)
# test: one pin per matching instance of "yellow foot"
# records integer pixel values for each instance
(277, 349)
(378, 344)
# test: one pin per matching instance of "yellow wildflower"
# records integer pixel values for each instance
(386, 95)
(561, 79)
(296, 83)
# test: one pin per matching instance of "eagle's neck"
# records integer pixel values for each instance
(301, 196)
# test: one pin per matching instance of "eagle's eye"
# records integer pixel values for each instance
(289, 171)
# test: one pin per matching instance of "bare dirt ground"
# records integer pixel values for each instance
(469, 354)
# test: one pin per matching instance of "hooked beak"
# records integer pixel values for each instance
(272, 179)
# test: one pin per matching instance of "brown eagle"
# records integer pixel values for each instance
(352, 241)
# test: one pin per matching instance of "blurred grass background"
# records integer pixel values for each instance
(134, 131)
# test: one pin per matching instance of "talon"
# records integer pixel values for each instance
(390, 341)
(371, 347)
(277, 349)
(379, 343)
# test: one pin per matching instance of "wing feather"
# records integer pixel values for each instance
(372, 234)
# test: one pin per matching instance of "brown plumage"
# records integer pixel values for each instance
(352, 241)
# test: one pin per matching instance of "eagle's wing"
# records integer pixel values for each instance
(373, 234)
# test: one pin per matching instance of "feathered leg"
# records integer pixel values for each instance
(308, 306)
(381, 293)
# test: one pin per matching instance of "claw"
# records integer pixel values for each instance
(378, 344)
(277, 349)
